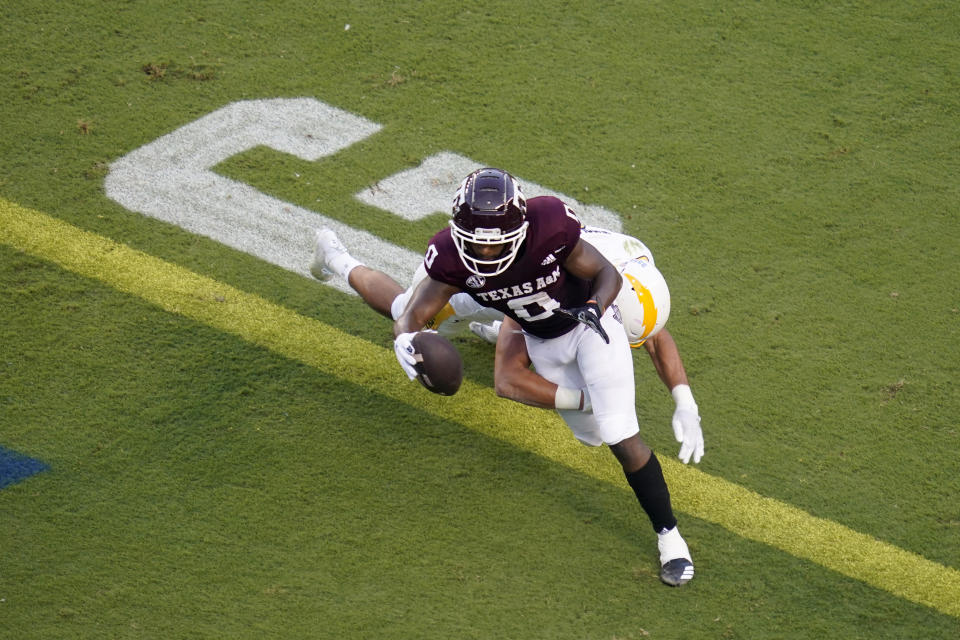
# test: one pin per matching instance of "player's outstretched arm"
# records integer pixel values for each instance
(666, 359)
(513, 378)
(686, 417)
(426, 301)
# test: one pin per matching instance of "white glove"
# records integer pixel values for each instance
(686, 425)
(488, 332)
(404, 350)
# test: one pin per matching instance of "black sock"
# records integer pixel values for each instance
(651, 489)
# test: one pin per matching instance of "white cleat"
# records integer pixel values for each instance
(326, 246)
(488, 332)
(676, 565)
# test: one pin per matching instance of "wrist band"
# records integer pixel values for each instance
(567, 398)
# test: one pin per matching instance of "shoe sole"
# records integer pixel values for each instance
(677, 572)
(320, 273)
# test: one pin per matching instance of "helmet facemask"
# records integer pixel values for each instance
(489, 209)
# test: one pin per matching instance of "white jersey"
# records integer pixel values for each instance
(616, 247)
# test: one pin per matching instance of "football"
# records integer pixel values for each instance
(439, 367)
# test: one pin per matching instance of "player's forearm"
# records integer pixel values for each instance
(666, 359)
(515, 380)
(526, 387)
(606, 286)
(406, 324)
(427, 299)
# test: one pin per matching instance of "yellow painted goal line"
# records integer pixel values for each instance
(258, 321)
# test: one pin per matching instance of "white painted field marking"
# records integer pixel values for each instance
(415, 193)
(172, 179)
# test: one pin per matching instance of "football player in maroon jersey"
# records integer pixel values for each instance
(643, 303)
(526, 260)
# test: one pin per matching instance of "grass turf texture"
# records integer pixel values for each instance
(793, 169)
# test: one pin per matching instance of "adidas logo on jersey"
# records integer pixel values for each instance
(550, 258)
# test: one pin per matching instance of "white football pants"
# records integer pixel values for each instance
(581, 359)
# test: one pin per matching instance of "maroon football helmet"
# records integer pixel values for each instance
(489, 209)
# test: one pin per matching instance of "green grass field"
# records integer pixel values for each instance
(231, 450)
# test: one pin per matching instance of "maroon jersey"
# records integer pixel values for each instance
(535, 284)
